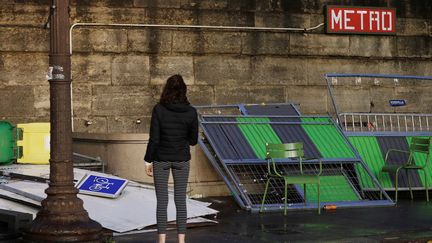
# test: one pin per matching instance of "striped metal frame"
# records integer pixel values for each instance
(228, 167)
(354, 124)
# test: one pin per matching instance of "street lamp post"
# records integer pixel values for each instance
(62, 217)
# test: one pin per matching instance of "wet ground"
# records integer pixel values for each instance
(409, 221)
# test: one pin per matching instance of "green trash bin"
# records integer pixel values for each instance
(7, 143)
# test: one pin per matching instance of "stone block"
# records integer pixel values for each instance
(430, 27)
(41, 100)
(188, 41)
(24, 39)
(418, 98)
(278, 70)
(163, 67)
(17, 101)
(138, 40)
(103, 3)
(131, 70)
(406, 67)
(100, 40)
(205, 4)
(203, 170)
(317, 68)
(82, 99)
(121, 100)
(282, 20)
(352, 99)
(222, 70)
(414, 46)
(380, 97)
(156, 91)
(91, 68)
(226, 18)
(372, 46)
(425, 99)
(222, 42)
(412, 27)
(265, 43)
(412, 9)
(23, 68)
(17, 14)
(128, 124)
(98, 124)
(149, 40)
(93, 14)
(318, 44)
(242, 5)
(172, 16)
(312, 99)
(315, 20)
(27, 2)
(249, 94)
(157, 3)
(283, 6)
(201, 94)
(411, 95)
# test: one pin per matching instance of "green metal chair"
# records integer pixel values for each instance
(291, 151)
(419, 145)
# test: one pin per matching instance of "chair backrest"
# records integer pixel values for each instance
(420, 145)
(284, 150)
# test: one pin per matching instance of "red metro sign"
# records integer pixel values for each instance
(361, 20)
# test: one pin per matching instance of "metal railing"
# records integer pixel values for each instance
(385, 122)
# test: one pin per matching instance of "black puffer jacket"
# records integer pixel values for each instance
(173, 129)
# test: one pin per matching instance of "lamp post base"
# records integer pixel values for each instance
(47, 229)
(63, 219)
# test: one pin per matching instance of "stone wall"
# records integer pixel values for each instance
(118, 72)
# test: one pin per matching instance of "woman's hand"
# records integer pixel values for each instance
(149, 169)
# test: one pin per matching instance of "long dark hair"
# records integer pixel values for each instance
(174, 91)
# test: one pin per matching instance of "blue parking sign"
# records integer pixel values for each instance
(103, 186)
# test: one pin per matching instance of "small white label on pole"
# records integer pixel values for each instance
(49, 75)
(376, 81)
(334, 80)
(358, 80)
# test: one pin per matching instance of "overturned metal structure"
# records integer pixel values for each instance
(373, 134)
(234, 141)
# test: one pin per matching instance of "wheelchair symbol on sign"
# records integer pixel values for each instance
(100, 183)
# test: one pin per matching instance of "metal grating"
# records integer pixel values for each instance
(245, 171)
(272, 110)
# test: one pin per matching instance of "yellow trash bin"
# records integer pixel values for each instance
(33, 143)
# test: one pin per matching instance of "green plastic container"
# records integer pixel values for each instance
(7, 143)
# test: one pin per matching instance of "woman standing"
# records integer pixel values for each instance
(173, 128)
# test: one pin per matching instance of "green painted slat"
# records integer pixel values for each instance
(419, 159)
(371, 154)
(258, 134)
(327, 138)
(335, 188)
